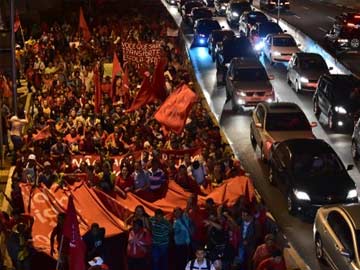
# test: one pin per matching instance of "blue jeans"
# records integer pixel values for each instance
(160, 257)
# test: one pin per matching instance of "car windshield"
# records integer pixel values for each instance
(207, 26)
(257, 17)
(284, 42)
(251, 74)
(315, 63)
(307, 163)
(202, 13)
(240, 6)
(220, 35)
(287, 122)
(269, 28)
(347, 88)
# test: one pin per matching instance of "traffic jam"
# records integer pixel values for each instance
(246, 45)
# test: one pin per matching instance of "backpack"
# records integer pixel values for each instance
(208, 264)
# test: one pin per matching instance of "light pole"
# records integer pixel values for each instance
(13, 63)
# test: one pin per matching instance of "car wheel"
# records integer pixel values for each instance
(271, 176)
(252, 139)
(290, 205)
(330, 121)
(271, 61)
(288, 80)
(297, 87)
(316, 108)
(354, 151)
(319, 252)
(355, 43)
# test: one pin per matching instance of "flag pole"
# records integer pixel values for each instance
(22, 35)
(59, 255)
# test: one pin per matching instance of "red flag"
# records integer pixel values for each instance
(158, 80)
(42, 134)
(17, 23)
(115, 71)
(71, 232)
(144, 96)
(176, 108)
(97, 100)
(125, 82)
(83, 26)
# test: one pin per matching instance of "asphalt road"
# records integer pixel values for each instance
(236, 126)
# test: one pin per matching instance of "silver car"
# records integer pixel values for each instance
(337, 235)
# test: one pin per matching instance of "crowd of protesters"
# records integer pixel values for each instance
(58, 66)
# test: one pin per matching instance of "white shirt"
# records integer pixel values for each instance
(198, 266)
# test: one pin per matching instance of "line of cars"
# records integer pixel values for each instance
(306, 170)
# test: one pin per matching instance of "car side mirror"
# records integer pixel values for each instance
(258, 125)
(271, 77)
(331, 68)
(285, 31)
(350, 167)
(313, 124)
(299, 44)
(222, 27)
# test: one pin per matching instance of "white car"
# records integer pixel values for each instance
(279, 48)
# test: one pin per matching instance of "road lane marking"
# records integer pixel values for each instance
(297, 17)
(322, 29)
(306, 8)
(331, 18)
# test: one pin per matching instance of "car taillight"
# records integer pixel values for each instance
(350, 25)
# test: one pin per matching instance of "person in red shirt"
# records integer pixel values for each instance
(275, 262)
(139, 244)
(265, 250)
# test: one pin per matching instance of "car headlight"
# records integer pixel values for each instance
(201, 35)
(301, 195)
(269, 100)
(340, 109)
(235, 14)
(259, 46)
(241, 93)
(277, 53)
(223, 7)
(304, 79)
(351, 194)
(342, 40)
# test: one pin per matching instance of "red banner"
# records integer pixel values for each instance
(141, 53)
(45, 204)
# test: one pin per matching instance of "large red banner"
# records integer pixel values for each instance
(141, 53)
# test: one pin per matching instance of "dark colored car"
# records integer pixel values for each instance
(202, 31)
(235, 10)
(260, 32)
(221, 6)
(200, 13)
(338, 98)
(249, 20)
(187, 8)
(345, 33)
(209, 3)
(310, 174)
(304, 71)
(218, 36)
(229, 49)
(274, 4)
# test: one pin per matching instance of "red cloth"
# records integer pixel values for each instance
(138, 243)
(83, 26)
(270, 264)
(144, 96)
(71, 231)
(158, 80)
(17, 23)
(42, 134)
(176, 108)
(197, 217)
(115, 71)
